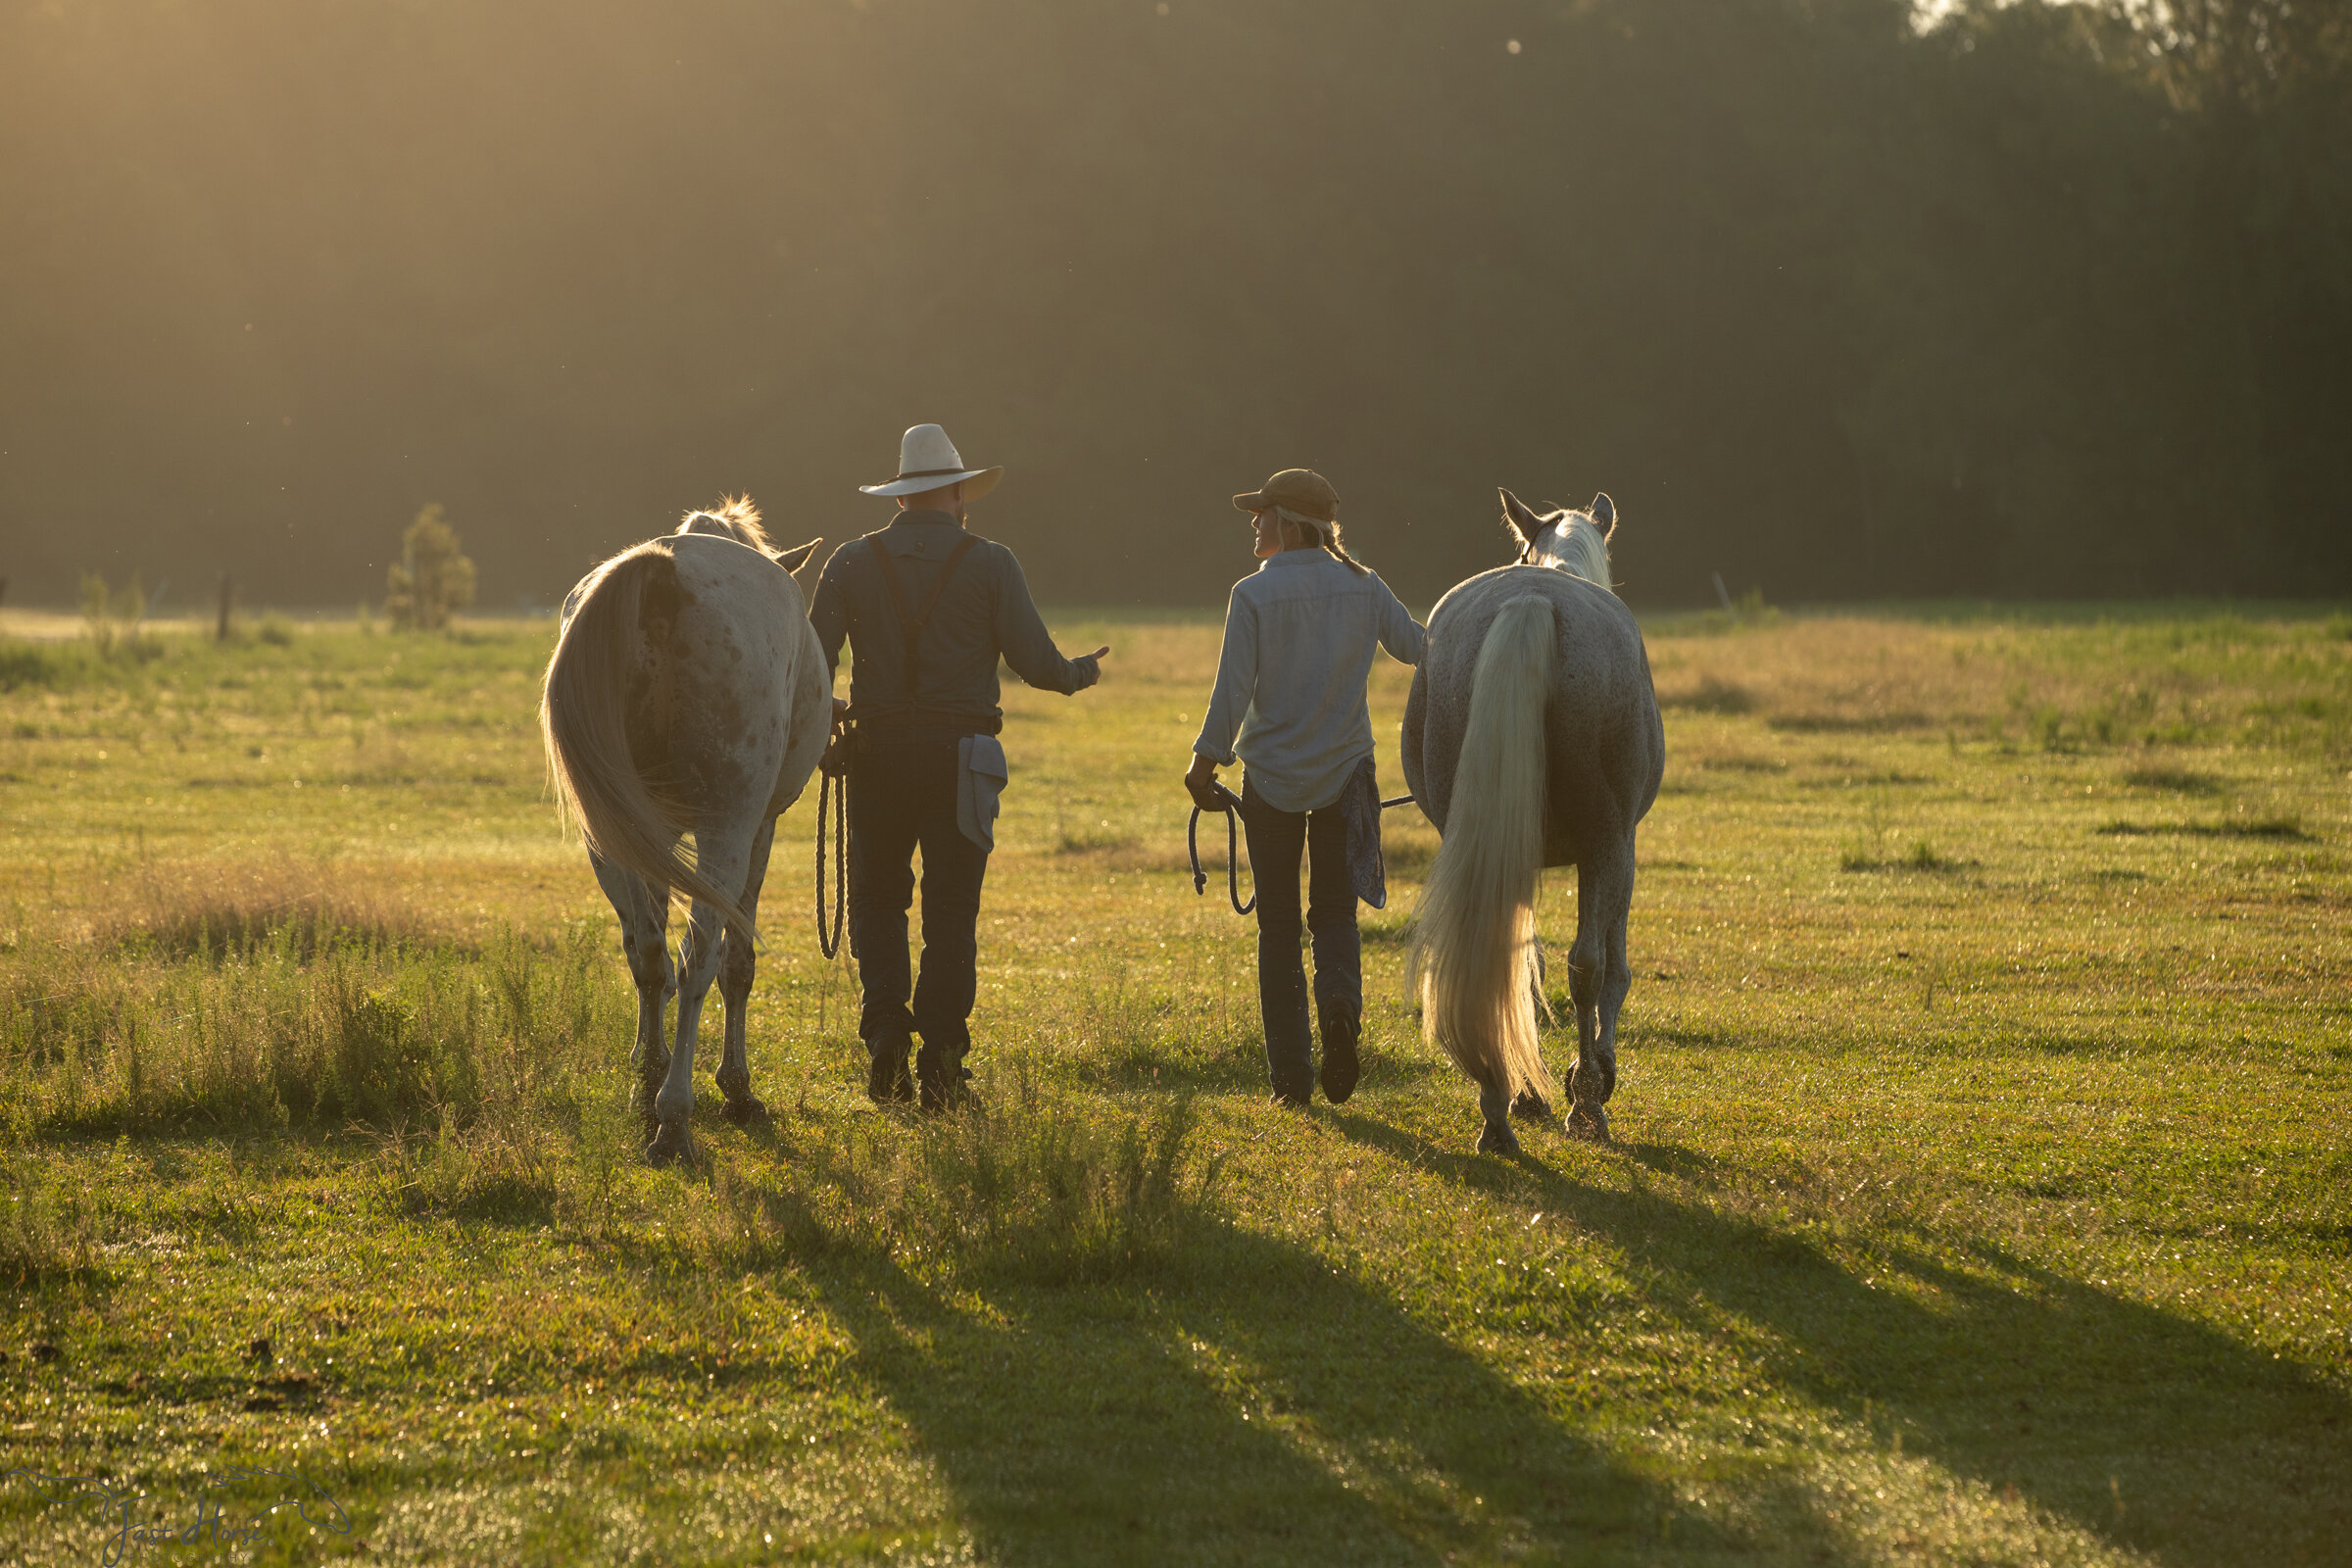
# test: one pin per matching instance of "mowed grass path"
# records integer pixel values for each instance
(1980, 1193)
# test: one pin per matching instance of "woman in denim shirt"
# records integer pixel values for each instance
(1288, 703)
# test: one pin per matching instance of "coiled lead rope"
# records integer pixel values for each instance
(1230, 804)
(833, 787)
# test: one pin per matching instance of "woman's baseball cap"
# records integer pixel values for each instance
(1300, 490)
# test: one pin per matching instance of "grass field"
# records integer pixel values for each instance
(1980, 1194)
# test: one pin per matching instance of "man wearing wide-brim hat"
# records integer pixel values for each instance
(927, 608)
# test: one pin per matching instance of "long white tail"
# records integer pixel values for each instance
(583, 717)
(1473, 952)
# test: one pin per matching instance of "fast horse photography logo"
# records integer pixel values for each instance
(232, 1506)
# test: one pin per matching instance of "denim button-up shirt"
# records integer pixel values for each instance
(1298, 640)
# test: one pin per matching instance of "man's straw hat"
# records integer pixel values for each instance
(929, 461)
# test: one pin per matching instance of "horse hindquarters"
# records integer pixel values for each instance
(626, 621)
(1474, 939)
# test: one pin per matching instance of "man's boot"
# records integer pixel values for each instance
(886, 1079)
(943, 1081)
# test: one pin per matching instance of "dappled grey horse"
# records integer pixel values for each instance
(1532, 739)
(687, 694)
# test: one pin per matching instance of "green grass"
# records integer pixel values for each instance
(1978, 1196)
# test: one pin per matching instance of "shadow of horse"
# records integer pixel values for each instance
(2117, 1416)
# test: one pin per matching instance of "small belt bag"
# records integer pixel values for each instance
(980, 777)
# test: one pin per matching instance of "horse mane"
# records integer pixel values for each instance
(736, 518)
(1583, 549)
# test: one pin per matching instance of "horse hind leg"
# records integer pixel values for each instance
(644, 912)
(737, 960)
(1497, 1107)
(1619, 978)
(724, 858)
(1604, 891)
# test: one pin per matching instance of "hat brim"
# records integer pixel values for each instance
(977, 482)
(1259, 501)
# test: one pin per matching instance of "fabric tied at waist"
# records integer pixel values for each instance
(980, 783)
(1360, 808)
(926, 722)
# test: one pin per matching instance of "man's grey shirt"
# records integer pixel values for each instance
(1298, 640)
(984, 612)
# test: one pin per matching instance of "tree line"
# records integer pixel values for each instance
(1834, 299)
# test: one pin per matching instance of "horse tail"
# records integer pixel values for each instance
(1473, 953)
(628, 608)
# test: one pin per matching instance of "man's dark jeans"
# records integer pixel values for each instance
(1276, 838)
(902, 793)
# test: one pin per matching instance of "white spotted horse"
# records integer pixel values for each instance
(687, 695)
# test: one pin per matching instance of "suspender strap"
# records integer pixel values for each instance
(910, 622)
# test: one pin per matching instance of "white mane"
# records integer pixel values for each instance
(1576, 545)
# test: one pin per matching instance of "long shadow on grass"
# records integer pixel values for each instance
(2148, 1429)
(1242, 1401)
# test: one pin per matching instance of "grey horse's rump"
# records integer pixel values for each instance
(1604, 744)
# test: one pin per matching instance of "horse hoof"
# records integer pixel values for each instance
(672, 1142)
(745, 1109)
(1497, 1139)
(1531, 1106)
(1590, 1123)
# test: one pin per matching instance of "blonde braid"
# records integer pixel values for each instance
(1325, 534)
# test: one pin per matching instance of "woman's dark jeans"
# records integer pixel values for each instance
(1276, 838)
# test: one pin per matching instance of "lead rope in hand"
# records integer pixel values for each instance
(1233, 853)
(1233, 856)
(834, 788)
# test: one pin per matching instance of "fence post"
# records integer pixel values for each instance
(228, 596)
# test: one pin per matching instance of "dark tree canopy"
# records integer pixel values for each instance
(2041, 299)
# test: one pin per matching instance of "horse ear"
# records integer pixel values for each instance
(1525, 523)
(1605, 513)
(795, 559)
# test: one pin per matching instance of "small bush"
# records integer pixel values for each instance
(1031, 1187)
(432, 577)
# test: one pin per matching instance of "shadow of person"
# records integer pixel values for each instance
(2143, 1426)
(1238, 1401)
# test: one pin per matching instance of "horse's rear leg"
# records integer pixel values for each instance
(644, 911)
(737, 959)
(1619, 978)
(1604, 891)
(722, 857)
